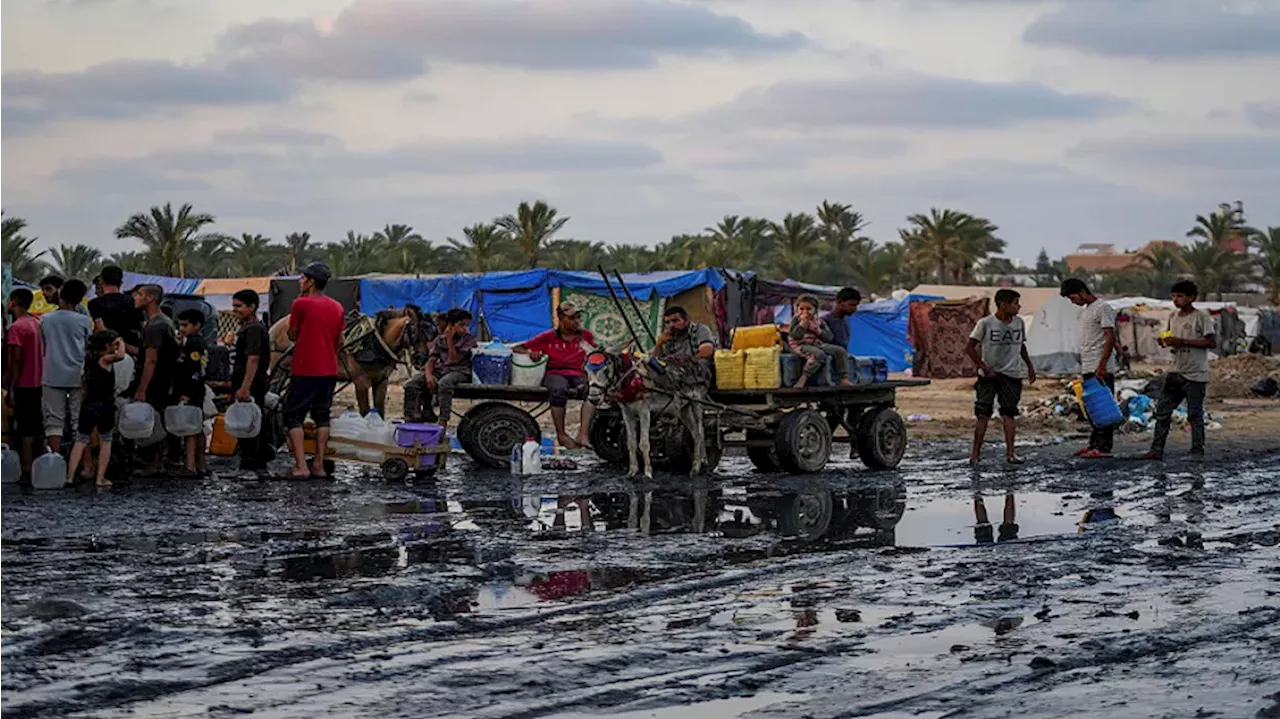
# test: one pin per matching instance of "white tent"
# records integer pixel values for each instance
(1053, 336)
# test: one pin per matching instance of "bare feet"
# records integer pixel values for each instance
(300, 473)
(104, 484)
(583, 443)
(846, 383)
(973, 460)
(317, 471)
(567, 442)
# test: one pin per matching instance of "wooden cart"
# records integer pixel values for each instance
(399, 463)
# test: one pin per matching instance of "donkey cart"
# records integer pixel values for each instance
(783, 430)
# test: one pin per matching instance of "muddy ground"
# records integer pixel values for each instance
(1125, 590)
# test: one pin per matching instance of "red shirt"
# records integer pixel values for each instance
(564, 357)
(319, 322)
(24, 337)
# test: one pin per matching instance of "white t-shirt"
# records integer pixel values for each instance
(1096, 318)
(1191, 362)
(1002, 345)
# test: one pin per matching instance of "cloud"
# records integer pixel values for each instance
(1159, 30)
(393, 39)
(1264, 115)
(132, 88)
(274, 135)
(1218, 153)
(910, 101)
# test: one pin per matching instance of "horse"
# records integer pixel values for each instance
(638, 388)
(371, 350)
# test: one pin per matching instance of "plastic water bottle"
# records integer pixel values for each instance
(515, 459)
(531, 456)
(12, 470)
(49, 471)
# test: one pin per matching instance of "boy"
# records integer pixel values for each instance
(157, 359)
(998, 345)
(249, 375)
(1097, 354)
(1191, 341)
(64, 333)
(449, 363)
(315, 328)
(188, 380)
(837, 320)
(24, 365)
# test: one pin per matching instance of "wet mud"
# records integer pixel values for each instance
(1059, 588)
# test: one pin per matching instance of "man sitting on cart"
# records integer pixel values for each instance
(566, 349)
(449, 363)
(686, 342)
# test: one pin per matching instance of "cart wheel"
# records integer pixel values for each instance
(882, 438)
(882, 509)
(490, 430)
(764, 458)
(608, 437)
(806, 517)
(395, 469)
(803, 441)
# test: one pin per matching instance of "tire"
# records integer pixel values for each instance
(881, 509)
(608, 437)
(765, 459)
(395, 469)
(882, 438)
(803, 441)
(490, 430)
(805, 517)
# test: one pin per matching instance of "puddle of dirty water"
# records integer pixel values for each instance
(955, 521)
(718, 709)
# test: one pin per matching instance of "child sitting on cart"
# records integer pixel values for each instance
(449, 362)
(811, 337)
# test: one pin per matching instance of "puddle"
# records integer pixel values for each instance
(719, 709)
(954, 521)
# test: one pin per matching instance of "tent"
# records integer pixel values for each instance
(1053, 337)
(939, 331)
(170, 285)
(880, 329)
(284, 290)
(1031, 298)
(217, 291)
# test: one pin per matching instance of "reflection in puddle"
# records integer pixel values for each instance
(719, 709)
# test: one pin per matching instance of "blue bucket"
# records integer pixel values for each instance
(491, 369)
(1100, 404)
(793, 367)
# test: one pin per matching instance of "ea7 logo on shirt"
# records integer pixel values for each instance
(1004, 335)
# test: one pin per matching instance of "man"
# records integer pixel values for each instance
(1190, 336)
(417, 399)
(24, 350)
(157, 359)
(684, 338)
(998, 346)
(249, 375)
(50, 287)
(449, 363)
(64, 333)
(315, 328)
(1097, 354)
(566, 349)
(847, 301)
(114, 310)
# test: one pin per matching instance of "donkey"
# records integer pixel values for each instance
(640, 387)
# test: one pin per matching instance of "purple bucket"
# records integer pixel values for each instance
(427, 435)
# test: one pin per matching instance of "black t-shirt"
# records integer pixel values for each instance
(252, 340)
(99, 386)
(118, 313)
(188, 376)
(158, 334)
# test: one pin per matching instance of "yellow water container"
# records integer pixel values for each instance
(221, 444)
(745, 338)
(763, 368)
(731, 366)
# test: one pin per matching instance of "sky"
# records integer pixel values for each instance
(1062, 122)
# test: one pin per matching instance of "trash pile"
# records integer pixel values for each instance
(1137, 399)
(1245, 375)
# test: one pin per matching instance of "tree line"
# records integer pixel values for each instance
(828, 246)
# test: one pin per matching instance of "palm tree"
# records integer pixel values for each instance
(254, 256)
(298, 250)
(532, 227)
(356, 255)
(484, 249)
(17, 251)
(575, 254)
(797, 253)
(80, 261)
(211, 257)
(1163, 265)
(169, 238)
(840, 226)
(950, 243)
(128, 261)
(877, 269)
(629, 258)
(1214, 267)
(407, 251)
(1267, 243)
(1219, 227)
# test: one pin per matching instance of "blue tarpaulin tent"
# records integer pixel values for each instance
(879, 329)
(517, 305)
(170, 285)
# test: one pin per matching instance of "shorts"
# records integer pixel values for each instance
(561, 387)
(1007, 389)
(94, 417)
(28, 411)
(308, 395)
(60, 404)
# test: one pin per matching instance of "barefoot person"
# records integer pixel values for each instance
(998, 345)
(1097, 354)
(565, 348)
(812, 338)
(249, 376)
(1190, 336)
(315, 328)
(98, 410)
(24, 369)
(64, 333)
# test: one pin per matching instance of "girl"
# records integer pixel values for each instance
(98, 410)
(811, 337)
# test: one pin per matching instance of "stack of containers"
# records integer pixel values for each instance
(731, 366)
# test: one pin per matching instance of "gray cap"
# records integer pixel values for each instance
(317, 271)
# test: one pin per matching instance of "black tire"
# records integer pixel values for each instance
(608, 435)
(803, 441)
(395, 469)
(882, 438)
(805, 517)
(765, 459)
(490, 430)
(881, 509)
